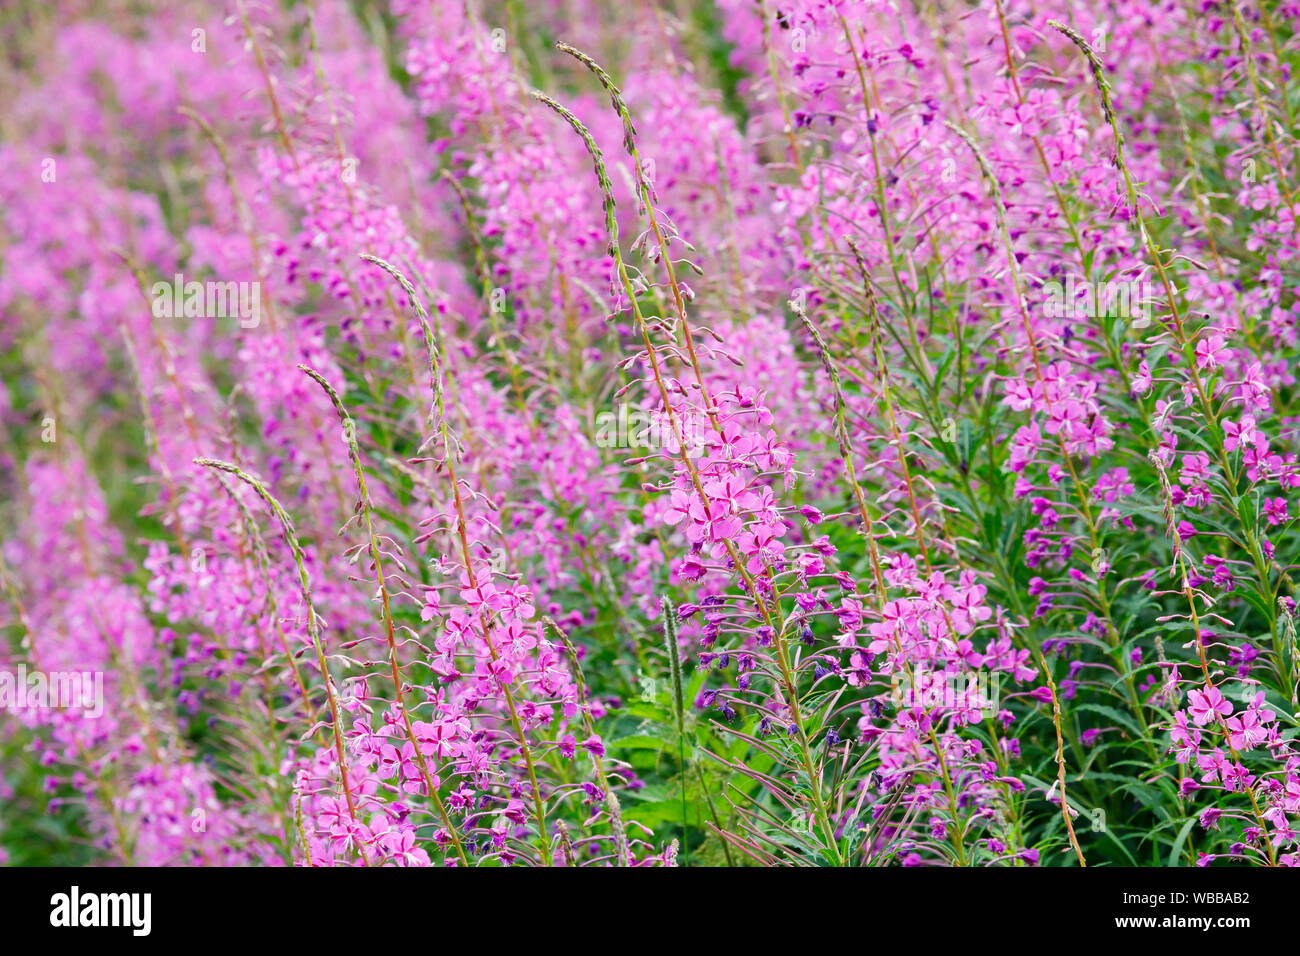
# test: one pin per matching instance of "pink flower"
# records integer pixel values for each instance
(1196, 468)
(1205, 704)
(1142, 380)
(1239, 433)
(1245, 731)
(1212, 765)
(1210, 352)
(1275, 510)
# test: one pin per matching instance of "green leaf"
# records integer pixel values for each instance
(640, 742)
(1176, 851)
(1124, 720)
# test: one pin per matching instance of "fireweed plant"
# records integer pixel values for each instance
(826, 432)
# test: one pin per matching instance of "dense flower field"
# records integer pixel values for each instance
(718, 432)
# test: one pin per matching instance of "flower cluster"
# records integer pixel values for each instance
(830, 432)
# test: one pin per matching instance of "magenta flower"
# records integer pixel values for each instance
(1205, 704)
(1211, 352)
(1275, 510)
(1239, 433)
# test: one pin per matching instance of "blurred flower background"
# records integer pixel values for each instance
(708, 432)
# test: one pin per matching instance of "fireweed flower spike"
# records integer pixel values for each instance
(366, 508)
(313, 625)
(726, 487)
(492, 619)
